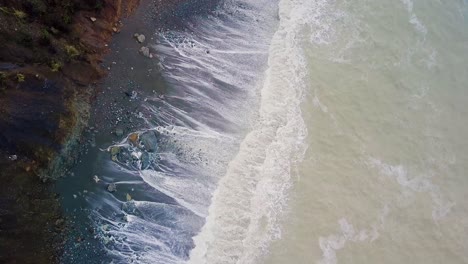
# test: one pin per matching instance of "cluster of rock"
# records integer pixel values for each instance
(138, 152)
(144, 50)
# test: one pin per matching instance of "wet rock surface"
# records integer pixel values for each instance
(138, 152)
(145, 51)
(112, 187)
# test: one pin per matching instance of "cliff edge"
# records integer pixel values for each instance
(50, 53)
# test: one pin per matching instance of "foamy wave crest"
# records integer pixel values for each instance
(247, 205)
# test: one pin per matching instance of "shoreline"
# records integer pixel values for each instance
(118, 111)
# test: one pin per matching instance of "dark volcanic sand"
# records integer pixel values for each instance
(116, 109)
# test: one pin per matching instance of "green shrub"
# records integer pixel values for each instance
(19, 14)
(55, 66)
(3, 77)
(71, 51)
(20, 77)
(25, 39)
(67, 19)
(99, 5)
(4, 9)
(35, 7)
(45, 38)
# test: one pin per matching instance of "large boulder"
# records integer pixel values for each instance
(149, 141)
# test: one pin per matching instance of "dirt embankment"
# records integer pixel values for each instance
(50, 52)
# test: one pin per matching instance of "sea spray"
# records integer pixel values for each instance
(248, 203)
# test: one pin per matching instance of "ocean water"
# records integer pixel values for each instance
(294, 131)
(359, 153)
(384, 178)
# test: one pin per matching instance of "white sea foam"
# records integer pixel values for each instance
(250, 198)
(410, 185)
(348, 233)
(416, 184)
(213, 68)
(414, 20)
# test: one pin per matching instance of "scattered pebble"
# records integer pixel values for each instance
(119, 132)
(145, 51)
(93, 19)
(96, 178)
(112, 187)
(140, 37)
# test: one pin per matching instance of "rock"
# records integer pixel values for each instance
(115, 151)
(136, 35)
(130, 208)
(93, 19)
(144, 161)
(148, 141)
(129, 198)
(119, 132)
(145, 51)
(141, 38)
(112, 187)
(133, 138)
(54, 31)
(13, 157)
(96, 179)
(115, 30)
(59, 222)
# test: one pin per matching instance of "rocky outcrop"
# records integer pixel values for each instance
(50, 53)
